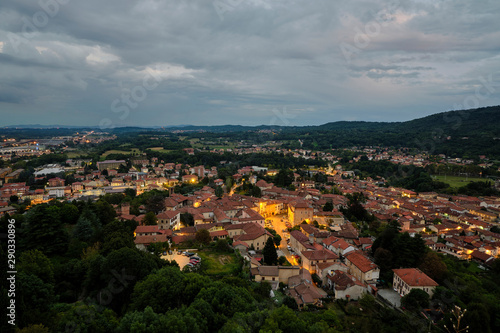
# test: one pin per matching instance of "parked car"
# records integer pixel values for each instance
(196, 258)
(289, 248)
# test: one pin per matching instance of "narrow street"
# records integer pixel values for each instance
(278, 224)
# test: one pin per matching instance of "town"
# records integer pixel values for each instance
(310, 233)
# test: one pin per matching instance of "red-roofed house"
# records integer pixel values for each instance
(300, 242)
(299, 211)
(406, 279)
(169, 219)
(142, 242)
(305, 293)
(147, 230)
(345, 285)
(311, 258)
(249, 233)
(362, 267)
(341, 247)
(482, 257)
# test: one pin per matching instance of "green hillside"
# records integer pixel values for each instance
(455, 133)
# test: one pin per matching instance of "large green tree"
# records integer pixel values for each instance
(150, 219)
(161, 290)
(203, 236)
(44, 230)
(269, 252)
(36, 263)
(416, 299)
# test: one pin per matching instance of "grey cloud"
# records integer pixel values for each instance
(261, 55)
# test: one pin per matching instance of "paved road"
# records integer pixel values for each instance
(278, 224)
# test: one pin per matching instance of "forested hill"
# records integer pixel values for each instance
(484, 120)
(455, 133)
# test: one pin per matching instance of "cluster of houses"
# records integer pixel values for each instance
(455, 225)
(144, 175)
(329, 246)
(333, 251)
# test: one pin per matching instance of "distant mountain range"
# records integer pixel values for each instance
(455, 133)
(39, 126)
(482, 119)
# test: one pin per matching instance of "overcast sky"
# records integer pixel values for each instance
(248, 62)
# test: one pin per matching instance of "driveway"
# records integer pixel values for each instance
(391, 296)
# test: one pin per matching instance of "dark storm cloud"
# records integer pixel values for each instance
(123, 62)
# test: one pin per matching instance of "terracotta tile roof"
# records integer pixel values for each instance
(299, 236)
(308, 229)
(360, 261)
(330, 240)
(341, 244)
(301, 204)
(414, 277)
(218, 233)
(343, 280)
(169, 214)
(481, 256)
(145, 240)
(323, 254)
(179, 239)
(266, 270)
(240, 243)
(307, 293)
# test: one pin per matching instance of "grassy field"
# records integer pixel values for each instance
(215, 263)
(456, 181)
(196, 143)
(159, 149)
(124, 152)
(75, 154)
